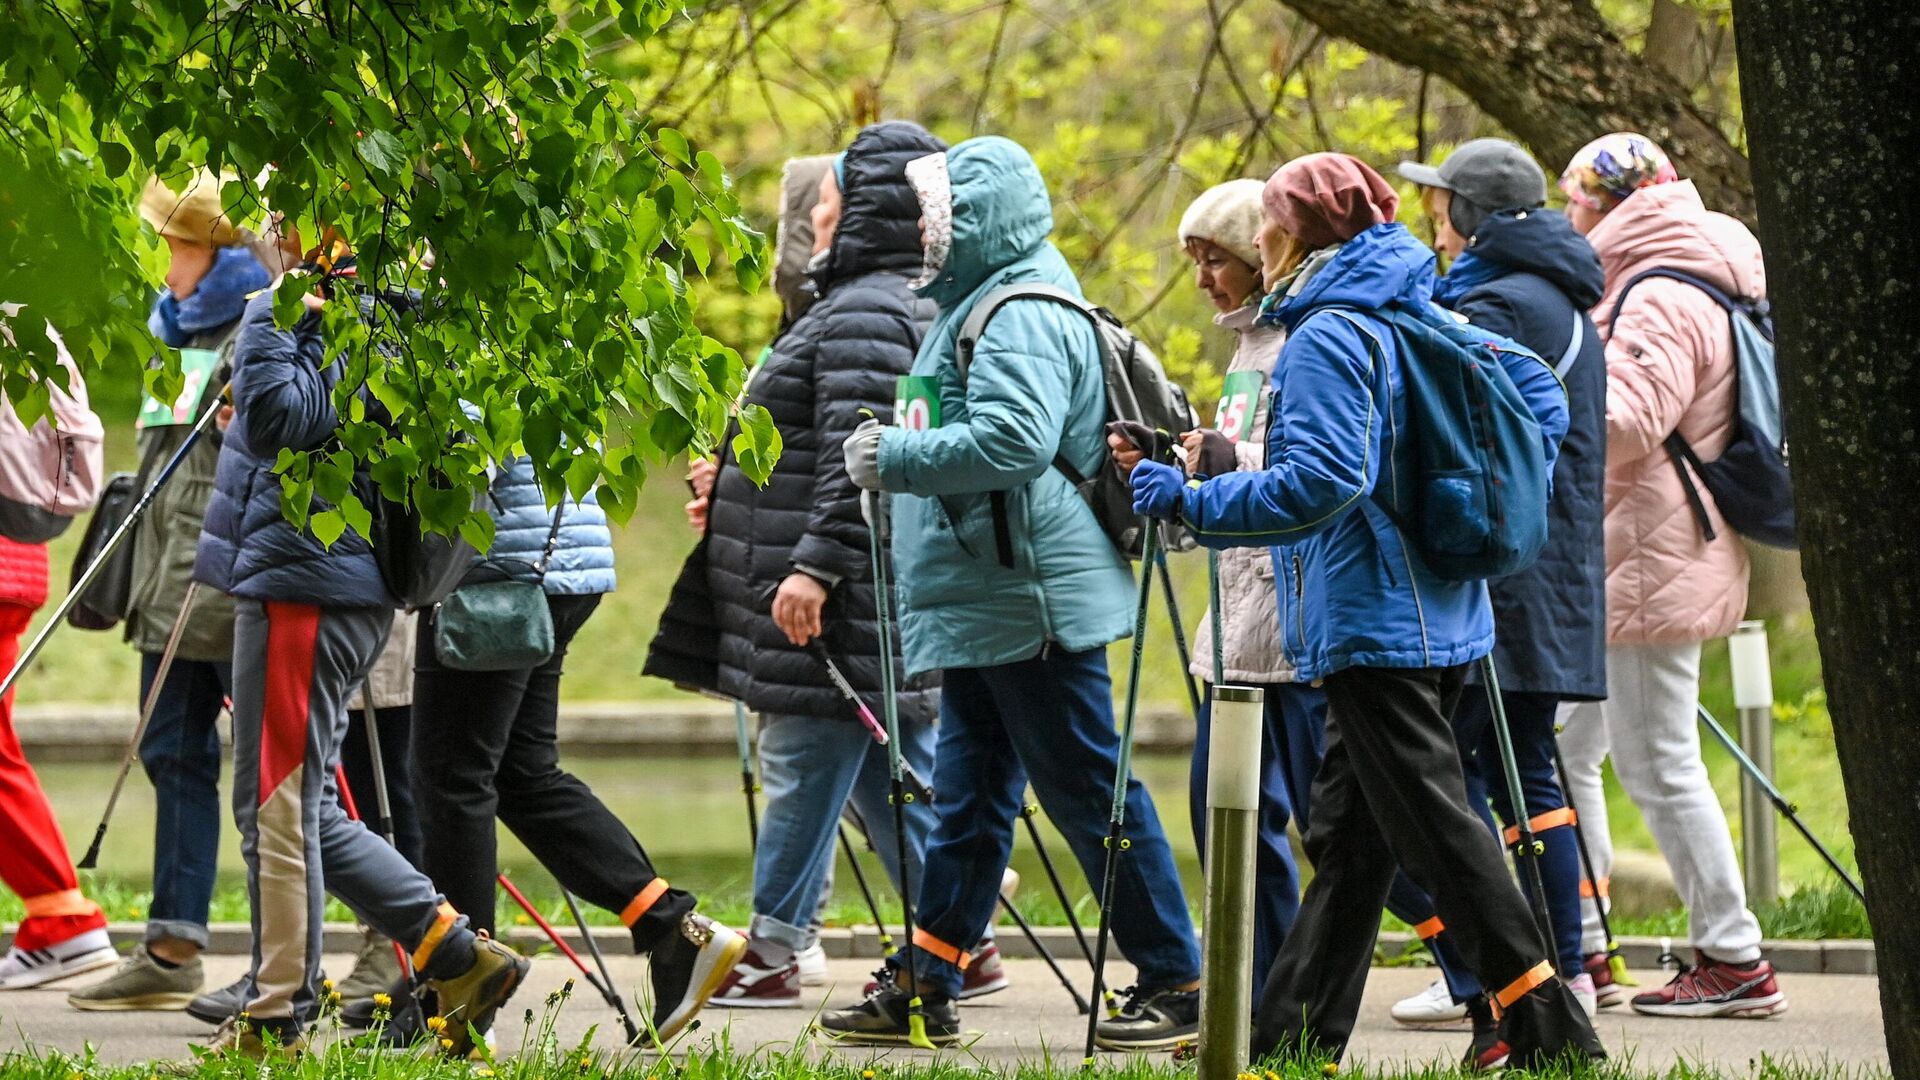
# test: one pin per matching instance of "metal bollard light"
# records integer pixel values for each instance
(1233, 822)
(1753, 696)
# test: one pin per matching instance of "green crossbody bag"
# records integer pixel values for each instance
(498, 619)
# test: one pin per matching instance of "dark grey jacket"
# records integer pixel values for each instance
(839, 361)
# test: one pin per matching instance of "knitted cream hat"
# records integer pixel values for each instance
(1228, 215)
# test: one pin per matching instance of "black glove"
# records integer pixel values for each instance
(1156, 445)
(1215, 456)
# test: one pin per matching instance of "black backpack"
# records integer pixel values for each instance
(1137, 390)
(1749, 480)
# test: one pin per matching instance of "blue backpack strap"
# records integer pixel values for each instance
(1732, 306)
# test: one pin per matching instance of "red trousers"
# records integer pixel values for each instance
(33, 855)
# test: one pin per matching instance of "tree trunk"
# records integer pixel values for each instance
(1552, 71)
(1672, 34)
(1830, 87)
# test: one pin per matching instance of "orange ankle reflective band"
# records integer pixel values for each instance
(1540, 974)
(434, 935)
(1539, 823)
(1430, 929)
(644, 900)
(1589, 888)
(55, 904)
(959, 958)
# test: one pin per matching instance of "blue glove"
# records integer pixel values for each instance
(1157, 490)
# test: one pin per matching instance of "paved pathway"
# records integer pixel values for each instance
(1835, 1019)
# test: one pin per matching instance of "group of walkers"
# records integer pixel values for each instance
(1382, 740)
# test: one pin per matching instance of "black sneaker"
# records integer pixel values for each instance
(687, 969)
(882, 1018)
(1151, 1019)
(1486, 1053)
(216, 1007)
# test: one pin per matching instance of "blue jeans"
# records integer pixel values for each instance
(1530, 719)
(1290, 750)
(810, 768)
(181, 754)
(1049, 719)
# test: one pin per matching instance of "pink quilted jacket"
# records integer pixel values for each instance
(1670, 366)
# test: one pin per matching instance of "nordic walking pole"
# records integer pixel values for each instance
(1616, 963)
(353, 814)
(92, 857)
(1123, 771)
(860, 879)
(747, 784)
(603, 988)
(1530, 848)
(1778, 798)
(1027, 813)
(600, 961)
(1180, 633)
(118, 537)
(1020, 921)
(382, 806)
(879, 537)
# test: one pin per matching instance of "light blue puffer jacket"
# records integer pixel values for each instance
(582, 562)
(973, 593)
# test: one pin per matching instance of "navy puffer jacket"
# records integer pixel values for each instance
(582, 563)
(1529, 276)
(837, 362)
(282, 399)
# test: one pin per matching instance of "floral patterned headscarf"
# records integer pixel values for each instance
(1612, 167)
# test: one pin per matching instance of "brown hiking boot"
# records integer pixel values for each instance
(468, 1001)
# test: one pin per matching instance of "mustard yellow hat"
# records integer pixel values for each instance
(193, 215)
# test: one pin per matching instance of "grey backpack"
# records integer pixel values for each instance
(1137, 389)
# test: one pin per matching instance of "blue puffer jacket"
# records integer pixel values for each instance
(582, 563)
(1352, 591)
(282, 399)
(1530, 277)
(1035, 388)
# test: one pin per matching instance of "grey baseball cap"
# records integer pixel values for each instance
(1491, 174)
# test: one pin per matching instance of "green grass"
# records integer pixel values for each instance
(545, 1057)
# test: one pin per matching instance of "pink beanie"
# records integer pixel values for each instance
(1326, 199)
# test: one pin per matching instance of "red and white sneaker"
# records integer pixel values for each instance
(1607, 994)
(1711, 988)
(755, 984)
(985, 973)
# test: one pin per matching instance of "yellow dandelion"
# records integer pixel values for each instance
(1271, 1075)
(326, 984)
(384, 1001)
(482, 1071)
(1331, 1068)
(333, 997)
(436, 1024)
(446, 1044)
(866, 1075)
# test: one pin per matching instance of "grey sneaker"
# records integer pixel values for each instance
(140, 985)
(375, 969)
(219, 1006)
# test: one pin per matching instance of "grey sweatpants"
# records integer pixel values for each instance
(293, 667)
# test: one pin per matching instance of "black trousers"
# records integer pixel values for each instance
(1389, 793)
(485, 745)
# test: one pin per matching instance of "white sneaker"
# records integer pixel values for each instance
(813, 965)
(1434, 1005)
(91, 951)
(1585, 994)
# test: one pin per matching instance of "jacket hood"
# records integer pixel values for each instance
(879, 216)
(1667, 225)
(986, 209)
(1383, 264)
(1540, 242)
(793, 239)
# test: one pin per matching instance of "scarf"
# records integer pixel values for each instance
(219, 299)
(1293, 284)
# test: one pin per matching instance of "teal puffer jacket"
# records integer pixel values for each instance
(978, 588)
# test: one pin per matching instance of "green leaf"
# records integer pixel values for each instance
(758, 444)
(357, 516)
(382, 152)
(327, 526)
(115, 158)
(673, 145)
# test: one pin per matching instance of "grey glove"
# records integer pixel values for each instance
(862, 450)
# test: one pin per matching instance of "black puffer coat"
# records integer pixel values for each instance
(1532, 278)
(843, 357)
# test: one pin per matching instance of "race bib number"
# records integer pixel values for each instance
(196, 367)
(1239, 402)
(916, 403)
